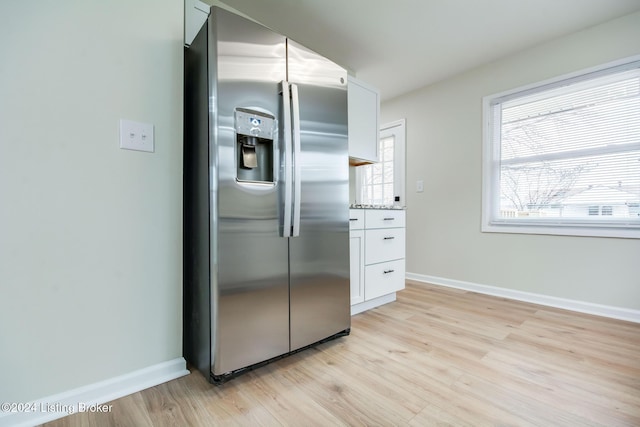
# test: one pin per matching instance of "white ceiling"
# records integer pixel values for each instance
(401, 45)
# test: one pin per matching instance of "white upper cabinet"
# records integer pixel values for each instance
(195, 13)
(364, 126)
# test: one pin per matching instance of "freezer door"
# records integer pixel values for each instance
(319, 252)
(250, 293)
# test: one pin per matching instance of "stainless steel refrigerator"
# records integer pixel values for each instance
(266, 246)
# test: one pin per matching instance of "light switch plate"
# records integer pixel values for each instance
(419, 186)
(136, 136)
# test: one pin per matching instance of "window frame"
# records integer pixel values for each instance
(491, 169)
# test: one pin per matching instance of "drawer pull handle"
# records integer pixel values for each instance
(388, 271)
(353, 219)
(388, 219)
(389, 238)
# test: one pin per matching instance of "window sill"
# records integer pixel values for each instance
(563, 230)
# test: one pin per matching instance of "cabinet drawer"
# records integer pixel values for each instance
(384, 245)
(356, 219)
(382, 279)
(384, 218)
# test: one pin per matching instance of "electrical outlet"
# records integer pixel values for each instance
(136, 136)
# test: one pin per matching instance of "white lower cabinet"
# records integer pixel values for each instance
(377, 239)
(356, 248)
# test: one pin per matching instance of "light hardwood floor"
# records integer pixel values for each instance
(436, 356)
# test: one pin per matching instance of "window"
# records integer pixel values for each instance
(381, 183)
(563, 157)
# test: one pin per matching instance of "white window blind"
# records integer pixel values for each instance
(566, 154)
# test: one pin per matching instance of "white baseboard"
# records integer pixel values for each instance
(71, 401)
(567, 304)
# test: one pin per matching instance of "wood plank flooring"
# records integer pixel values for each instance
(436, 356)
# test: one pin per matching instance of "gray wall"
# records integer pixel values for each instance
(90, 235)
(444, 148)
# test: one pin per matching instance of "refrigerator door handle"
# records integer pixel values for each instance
(297, 173)
(288, 161)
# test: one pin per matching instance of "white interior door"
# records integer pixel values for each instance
(383, 183)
